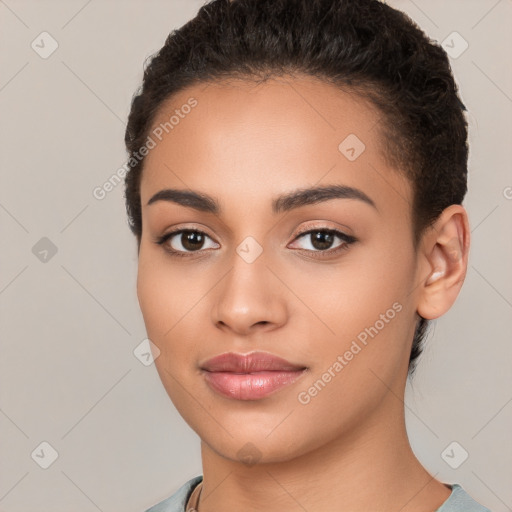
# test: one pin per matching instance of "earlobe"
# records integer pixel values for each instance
(444, 258)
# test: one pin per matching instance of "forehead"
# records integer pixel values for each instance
(260, 139)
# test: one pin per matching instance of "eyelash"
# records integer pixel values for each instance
(347, 241)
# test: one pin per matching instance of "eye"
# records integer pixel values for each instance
(321, 240)
(184, 241)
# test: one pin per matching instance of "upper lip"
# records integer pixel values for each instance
(247, 363)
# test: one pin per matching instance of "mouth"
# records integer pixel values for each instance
(250, 376)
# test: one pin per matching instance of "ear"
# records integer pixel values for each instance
(443, 261)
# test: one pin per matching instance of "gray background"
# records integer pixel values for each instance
(70, 321)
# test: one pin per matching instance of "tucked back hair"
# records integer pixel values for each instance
(361, 46)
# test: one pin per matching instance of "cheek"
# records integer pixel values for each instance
(350, 296)
(155, 300)
(362, 309)
(165, 295)
(169, 308)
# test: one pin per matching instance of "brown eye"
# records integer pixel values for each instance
(323, 240)
(185, 241)
(192, 240)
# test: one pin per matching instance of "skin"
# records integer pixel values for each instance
(245, 144)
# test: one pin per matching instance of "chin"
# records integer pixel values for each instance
(254, 445)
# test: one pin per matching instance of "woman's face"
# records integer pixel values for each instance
(340, 303)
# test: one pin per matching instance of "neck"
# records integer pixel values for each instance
(368, 468)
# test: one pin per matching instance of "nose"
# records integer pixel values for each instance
(249, 298)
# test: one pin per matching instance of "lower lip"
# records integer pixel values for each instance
(250, 386)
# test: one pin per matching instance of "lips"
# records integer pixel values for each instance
(250, 376)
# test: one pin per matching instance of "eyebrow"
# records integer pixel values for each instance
(283, 203)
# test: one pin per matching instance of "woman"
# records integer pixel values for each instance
(297, 174)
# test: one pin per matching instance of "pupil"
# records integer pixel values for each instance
(192, 240)
(322, 240)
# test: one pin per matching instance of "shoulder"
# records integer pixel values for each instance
(178, 501)
(460, 501)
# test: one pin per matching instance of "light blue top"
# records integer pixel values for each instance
(458, 501)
